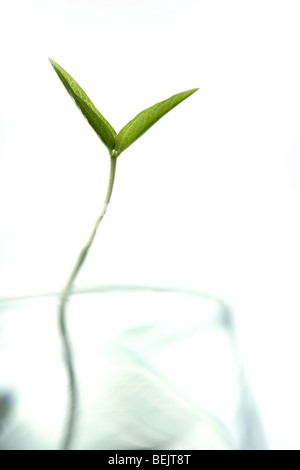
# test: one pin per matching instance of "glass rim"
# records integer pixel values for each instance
(119, 288)
(108, 288)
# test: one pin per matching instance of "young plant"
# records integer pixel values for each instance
(116, 144)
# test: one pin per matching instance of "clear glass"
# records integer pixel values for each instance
(156, 368)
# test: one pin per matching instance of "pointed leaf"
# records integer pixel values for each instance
(144, 120)
(102, 127)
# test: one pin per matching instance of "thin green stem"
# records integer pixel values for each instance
(62, 311)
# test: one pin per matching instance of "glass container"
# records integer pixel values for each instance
(156, 368)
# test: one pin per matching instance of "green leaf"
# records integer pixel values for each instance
(102, 127)
(144, 120)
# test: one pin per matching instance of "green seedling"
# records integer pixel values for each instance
(116, 144)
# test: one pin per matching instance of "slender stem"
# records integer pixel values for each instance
(62, 311)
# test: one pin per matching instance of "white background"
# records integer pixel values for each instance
(209, 198)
